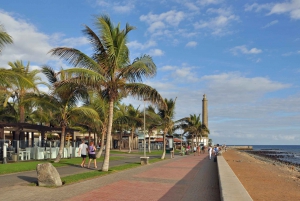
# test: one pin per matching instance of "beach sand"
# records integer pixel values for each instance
(264, 180)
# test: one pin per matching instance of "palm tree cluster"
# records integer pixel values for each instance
(87, 96)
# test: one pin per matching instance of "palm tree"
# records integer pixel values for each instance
(193, 126)
(100, 105)
(153, 122)
(167, 116)
(4, 38)
(109, 69)
(62, 103)
(132, 117)
(16, 83)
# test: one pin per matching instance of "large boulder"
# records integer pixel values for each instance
(47, 175)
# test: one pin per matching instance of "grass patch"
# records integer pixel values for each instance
(31, 165)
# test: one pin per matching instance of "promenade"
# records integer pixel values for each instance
(181, 178)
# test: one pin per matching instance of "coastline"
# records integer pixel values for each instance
(273, 158)
(264, 178)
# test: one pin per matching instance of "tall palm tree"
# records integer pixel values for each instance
(109, 69)
(4, 38)
(167, 115)
(62, 103)
(193, 126)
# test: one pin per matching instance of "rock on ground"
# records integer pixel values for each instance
(47, 175)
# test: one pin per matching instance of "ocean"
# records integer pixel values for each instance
(285, 153)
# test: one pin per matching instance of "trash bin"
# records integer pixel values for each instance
(168, 151)
(14, 157)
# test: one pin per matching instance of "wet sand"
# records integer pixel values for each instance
(264, 179)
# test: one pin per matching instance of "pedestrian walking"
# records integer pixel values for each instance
(195, 149)
(216, 150)
(92, 154)
(209, 151)
(203, 149)
(83, 150)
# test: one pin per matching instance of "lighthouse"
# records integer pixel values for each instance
(204, 112)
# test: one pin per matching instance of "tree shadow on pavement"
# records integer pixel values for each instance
(200, 183)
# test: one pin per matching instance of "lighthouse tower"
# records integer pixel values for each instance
(204, 112)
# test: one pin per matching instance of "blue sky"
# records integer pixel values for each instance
(244, 55)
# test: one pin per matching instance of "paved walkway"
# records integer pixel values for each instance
(182, 178)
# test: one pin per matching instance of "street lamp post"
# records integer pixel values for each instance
(144, 159)
(181, 144)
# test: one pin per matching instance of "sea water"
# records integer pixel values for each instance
(288, 153)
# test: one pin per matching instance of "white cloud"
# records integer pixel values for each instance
(33, 49)
(258, 7)
(208, 2)
(243, 49)
(237, 88)
(164, 20)
(124, 9)
(168, 68)
(191, 44)
(156, 26)
(191, 6)
(156, 52)
(117, 6)
(218, 24)
(291, 7)
(74, 42)
(29, 43)
(136, 45)
(290, 53)
(271, 23)
(184, 73)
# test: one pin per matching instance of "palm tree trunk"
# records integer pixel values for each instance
(131, 141)
(21, 107)
(149, 143)
(105, 165)
(102, 144)
(164, 147)
(62, 144)
(22, 113)
(193, 144)
(121, 140)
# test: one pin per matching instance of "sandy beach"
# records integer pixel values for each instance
(264, 180)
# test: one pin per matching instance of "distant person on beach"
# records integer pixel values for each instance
(92, 154)
(209, 151)
(83, 150)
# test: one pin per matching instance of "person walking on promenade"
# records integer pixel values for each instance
(203, 149)
(209, 151)
(198, 150)
(195, 149)
(92, 154)
(83, 149)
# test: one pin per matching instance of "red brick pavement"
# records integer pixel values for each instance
(185, 178)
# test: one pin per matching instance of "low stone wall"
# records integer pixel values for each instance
(231, 189)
